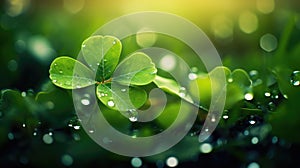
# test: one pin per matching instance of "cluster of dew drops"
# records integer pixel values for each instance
(205, 147)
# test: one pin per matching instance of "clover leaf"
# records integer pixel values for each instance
(116, 84)
(239, 86)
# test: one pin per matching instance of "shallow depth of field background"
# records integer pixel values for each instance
(247, 35)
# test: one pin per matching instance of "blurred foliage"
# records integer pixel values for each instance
(38, 124)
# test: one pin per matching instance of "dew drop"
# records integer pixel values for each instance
(267, 94)
(47, 139)
(111, 103)
(133, 115)
(23, 125)
(54, 81)
(230, 80)
(78, 86)
(213, 119)
(248, 96)
(136, 162)
(102, 94)
(225, 117)
(85, 101)
(10, 136)
(252, 122)
(295, 78)
(206, 148)
(274, 140)
(254, 140)
(123, 90)
(98, 64)
(91, 131)
(66, 160)
(23, 94)
(253, 165)
(182, 91)
(34, 134)
(271, 106)
(192, 76)
(76, 127)
(172, 161)
(133, 118)
(114, 42)
(55, 64)
(61, 71)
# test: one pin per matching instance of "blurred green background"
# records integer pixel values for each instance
(259, 36)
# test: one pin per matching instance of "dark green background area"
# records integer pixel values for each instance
(33, 36)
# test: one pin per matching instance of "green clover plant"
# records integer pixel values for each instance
(101, 54)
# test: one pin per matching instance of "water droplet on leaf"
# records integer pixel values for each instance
(248, 96)
(295, 78)
(111, 103)
(76, 127)
(85, 101)
(267, 94)
(225, 117)
(193, 76)
(23, 94)
(271, 106)
(182, 91)
(252, 122)
(133, 115)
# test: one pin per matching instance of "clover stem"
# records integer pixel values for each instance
(104, 81)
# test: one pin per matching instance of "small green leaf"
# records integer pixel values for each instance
(167, 85)
(121, 98)
(102, 54)
(172, 87)
(62, 75)
(137, 69)
(238, 84)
